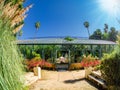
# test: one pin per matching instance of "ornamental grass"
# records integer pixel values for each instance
(10, 59)
(11, 68)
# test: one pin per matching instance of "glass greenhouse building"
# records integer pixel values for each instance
(86, 46)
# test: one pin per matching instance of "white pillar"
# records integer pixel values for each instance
(88, 71)
(39, 72)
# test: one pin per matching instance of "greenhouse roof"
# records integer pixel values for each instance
(62, 41)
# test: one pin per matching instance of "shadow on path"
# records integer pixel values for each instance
(81, 79)
(74, 81)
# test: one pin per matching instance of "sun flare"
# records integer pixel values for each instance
(112, 7)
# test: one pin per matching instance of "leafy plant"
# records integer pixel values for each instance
(110, 68)
(68, 38)
(36, 56)
(89, 60)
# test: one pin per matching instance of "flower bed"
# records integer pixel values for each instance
(89, 61)
(40, 63)
(75, 66)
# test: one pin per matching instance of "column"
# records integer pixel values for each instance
(100, 51)
(69, 56)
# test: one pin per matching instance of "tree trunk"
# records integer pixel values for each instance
(88, 32)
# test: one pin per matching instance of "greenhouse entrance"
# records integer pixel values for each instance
(62, 59)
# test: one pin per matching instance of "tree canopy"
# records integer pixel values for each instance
(106, 35)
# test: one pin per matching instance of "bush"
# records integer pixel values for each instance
(96, 68)
(36, 55)
(110, 69)
(75, 66)
(41, 63)
(89, 61)
(48, 65)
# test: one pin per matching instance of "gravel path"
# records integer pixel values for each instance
(64, 80)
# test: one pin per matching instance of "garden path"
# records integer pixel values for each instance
(63, 80)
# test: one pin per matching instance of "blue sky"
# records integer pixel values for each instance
(65, 18)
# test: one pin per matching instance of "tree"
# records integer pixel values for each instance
(112, 34)
(105, 28)
(96, 35)
(86, 24)
(37, 26)
(105, 34)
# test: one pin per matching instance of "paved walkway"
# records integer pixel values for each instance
(62, 80)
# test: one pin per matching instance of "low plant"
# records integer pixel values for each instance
(75, 66)
(68, 38)
(89, 60)
(49, 66)
(41, 63)
(98, 67)
(36, 56)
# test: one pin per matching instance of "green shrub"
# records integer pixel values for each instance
(68, 38)
(36, 56)
(97, 67)
(110, 69)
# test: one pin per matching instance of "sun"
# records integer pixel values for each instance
(112, 7)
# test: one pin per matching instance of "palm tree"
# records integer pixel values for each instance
(113, 34)
(86, 24)
(106, 28)
(37, 26)
(96, 34)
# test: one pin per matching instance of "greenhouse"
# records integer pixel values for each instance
(71, 50)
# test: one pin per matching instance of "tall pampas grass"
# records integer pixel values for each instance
(11, 68)
(15, 14)
(10, 59)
